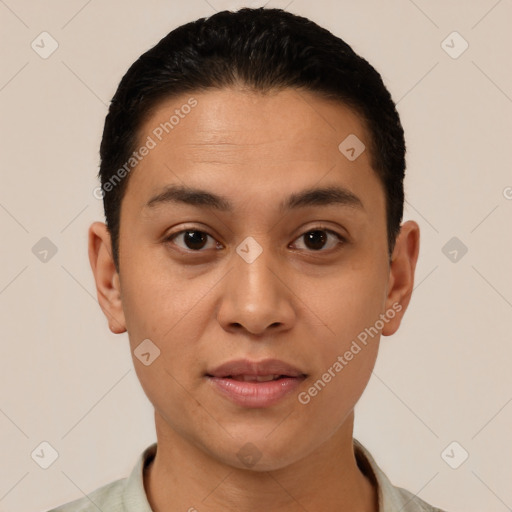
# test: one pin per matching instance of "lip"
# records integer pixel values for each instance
(255, 394)
(239, 367)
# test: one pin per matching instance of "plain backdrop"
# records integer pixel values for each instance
(443, 378)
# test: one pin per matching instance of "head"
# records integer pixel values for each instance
(241, 116)
(261, 50)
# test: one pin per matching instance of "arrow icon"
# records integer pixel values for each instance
(249, 454)
(454, 45)
(454, 455)
(44, 250)
(249, 249)
(44, 45)
(44, 455)
(351, 147)
(454, 249)
(146, 352)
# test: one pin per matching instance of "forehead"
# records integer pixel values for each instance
(235, 141)
(245, 117)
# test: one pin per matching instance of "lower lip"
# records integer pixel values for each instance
(256, 394)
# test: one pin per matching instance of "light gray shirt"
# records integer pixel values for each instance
(129, 495)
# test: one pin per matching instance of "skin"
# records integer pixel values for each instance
(296, 303)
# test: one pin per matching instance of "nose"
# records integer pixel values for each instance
(256, 297)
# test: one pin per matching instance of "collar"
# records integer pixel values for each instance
(390, 497)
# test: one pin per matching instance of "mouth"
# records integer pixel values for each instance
(255, 378)
(244, 369)
(255, 384)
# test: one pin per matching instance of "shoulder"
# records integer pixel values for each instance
(411, 503)
(123, 495)
(108, 498)
(390, 497)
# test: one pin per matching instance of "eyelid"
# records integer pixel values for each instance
(319, 227)
(169, 238)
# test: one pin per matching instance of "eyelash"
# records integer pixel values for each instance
(341, 240)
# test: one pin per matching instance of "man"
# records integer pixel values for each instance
(252, 173)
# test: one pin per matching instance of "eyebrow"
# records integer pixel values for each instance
(320, 196)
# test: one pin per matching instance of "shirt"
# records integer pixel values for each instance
(128, 494)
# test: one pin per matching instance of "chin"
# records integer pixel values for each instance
(261, 454)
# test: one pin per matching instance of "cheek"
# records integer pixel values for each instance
(173, 321)
(172, 312)
(157, 300)
(333, 394)
(347, 355)
(349, 308)
(349, 302)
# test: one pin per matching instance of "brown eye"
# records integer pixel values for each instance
(195, 239)
(316, 239)
(192, 239)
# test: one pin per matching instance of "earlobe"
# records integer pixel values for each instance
(106, 277)
(401, 275)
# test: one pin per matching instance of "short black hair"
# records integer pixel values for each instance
(262, 50)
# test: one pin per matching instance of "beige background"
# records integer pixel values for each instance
(444, 377)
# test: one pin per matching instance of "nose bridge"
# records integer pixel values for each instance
(254, 277)
(253, 265)
(255, 296)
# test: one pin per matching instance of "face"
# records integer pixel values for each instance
(283, 255)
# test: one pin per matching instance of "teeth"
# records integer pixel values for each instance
(255, 378)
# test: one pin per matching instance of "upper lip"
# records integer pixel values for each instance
(258, 368)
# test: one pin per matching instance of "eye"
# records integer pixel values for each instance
(316, 238)
(193, 239)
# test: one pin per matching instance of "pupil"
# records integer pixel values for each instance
(192, 238)
(316, 239)
(196, 239)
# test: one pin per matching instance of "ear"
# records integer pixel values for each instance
(401, 275)
(105, 274)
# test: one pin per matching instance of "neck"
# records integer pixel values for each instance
(183, 477)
